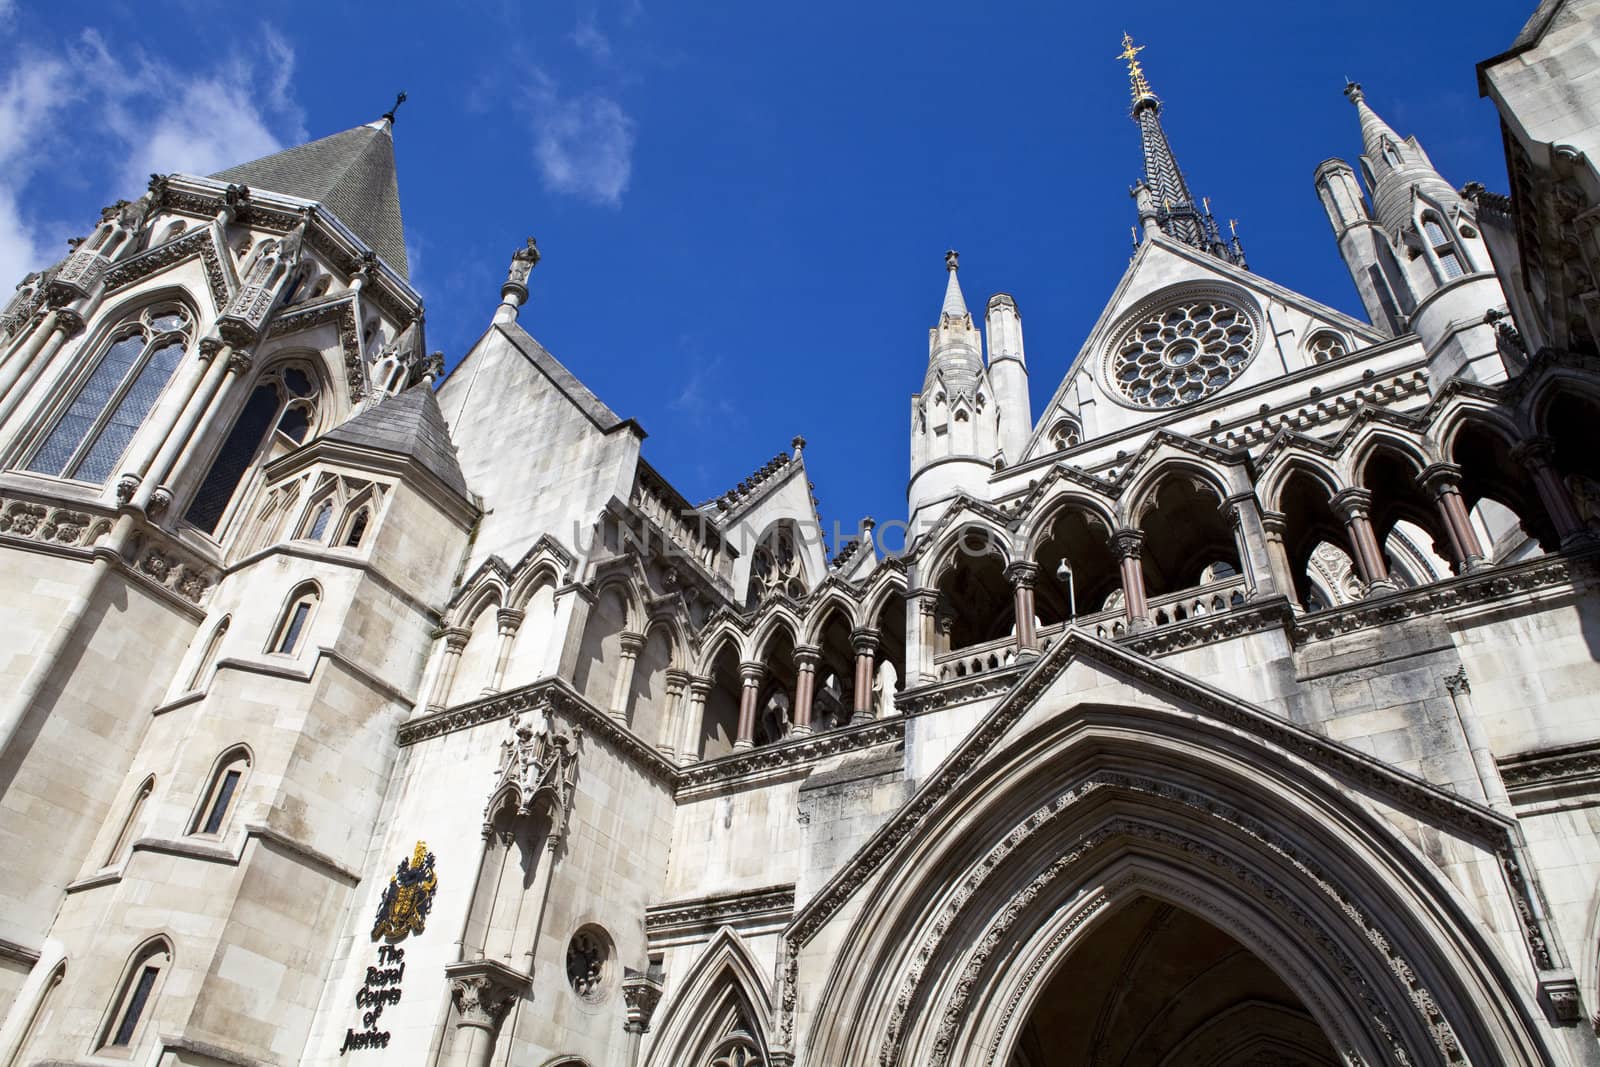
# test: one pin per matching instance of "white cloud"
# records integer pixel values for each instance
(588, 38)
(131, 116)
(584, 146)
(210, 126)
(31, 96)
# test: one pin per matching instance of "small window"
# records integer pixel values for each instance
(1451, 264)
(218, 802)
(130, 821)
(295, 619)
(358, 528)
(136, 997)
(208, 655)
(291, 632)
(320, 520)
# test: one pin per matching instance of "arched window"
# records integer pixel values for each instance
(287, 638)
(136, 995)
(286, 398)
(41, 1021)
(319, 521)
(776, 567)
(118, 395)
(222, 794)
(1444, 248)
(208, 654)
(358, 527)
(130, 821)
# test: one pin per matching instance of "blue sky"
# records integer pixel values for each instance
(743, 207)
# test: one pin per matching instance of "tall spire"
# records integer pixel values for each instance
(1396, 168)
(1175, 209)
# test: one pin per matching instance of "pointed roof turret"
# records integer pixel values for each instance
(351, 174)
(955, 305)
(954, 345)
(1175, 211)
(1395, 168)
(407, 424)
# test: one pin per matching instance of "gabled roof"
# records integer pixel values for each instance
(408, 424)
(351, 174)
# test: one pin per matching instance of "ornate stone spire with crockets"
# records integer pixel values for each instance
(1162, 191)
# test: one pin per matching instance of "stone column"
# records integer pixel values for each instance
(1354, 506)
(1129, 547)
(144, 481)
(750, 674)
(865, 644)
(922, 610)
(25, 345)
(1494, 786)
(1251, 541)
(236, 366)
(632, 645)
(509, 621)
(694, 722)
(1023, 574)
(483, 992)
(1274, 524)
(22, 370)
(455, 639)
(671, 718)
(1537, 454)
(806, 658)
(640, 994)
(1443, 481)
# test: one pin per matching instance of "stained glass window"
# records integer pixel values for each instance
(113, 403)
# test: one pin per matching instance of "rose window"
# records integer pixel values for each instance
(1182, 352)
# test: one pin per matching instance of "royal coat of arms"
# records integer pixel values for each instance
(404, 907)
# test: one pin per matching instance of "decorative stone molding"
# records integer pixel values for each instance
(961, 691)
(791, 755)
(341, 312)
(706, 914)
(1235, 622)
(197, 242)
(1571, 768)
(1483, 586)
(483, 991)
(641, 994)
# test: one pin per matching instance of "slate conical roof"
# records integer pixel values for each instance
(351, 174)
(408, 424)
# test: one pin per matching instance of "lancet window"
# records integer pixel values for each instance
(284, 402)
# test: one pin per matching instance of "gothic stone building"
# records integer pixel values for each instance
(1240, 710)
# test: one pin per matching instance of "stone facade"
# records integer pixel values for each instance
(1239, 709)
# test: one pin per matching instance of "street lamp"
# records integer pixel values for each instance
(1064, 573)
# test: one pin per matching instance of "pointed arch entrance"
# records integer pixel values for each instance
(1058, 813)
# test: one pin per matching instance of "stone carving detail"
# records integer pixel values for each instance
(199, 241)
(588, 957)
(537, 765)
(343, 313)
(188, 577)
(481, 996)
(523, 260)
(43, 523)
(641, 993)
